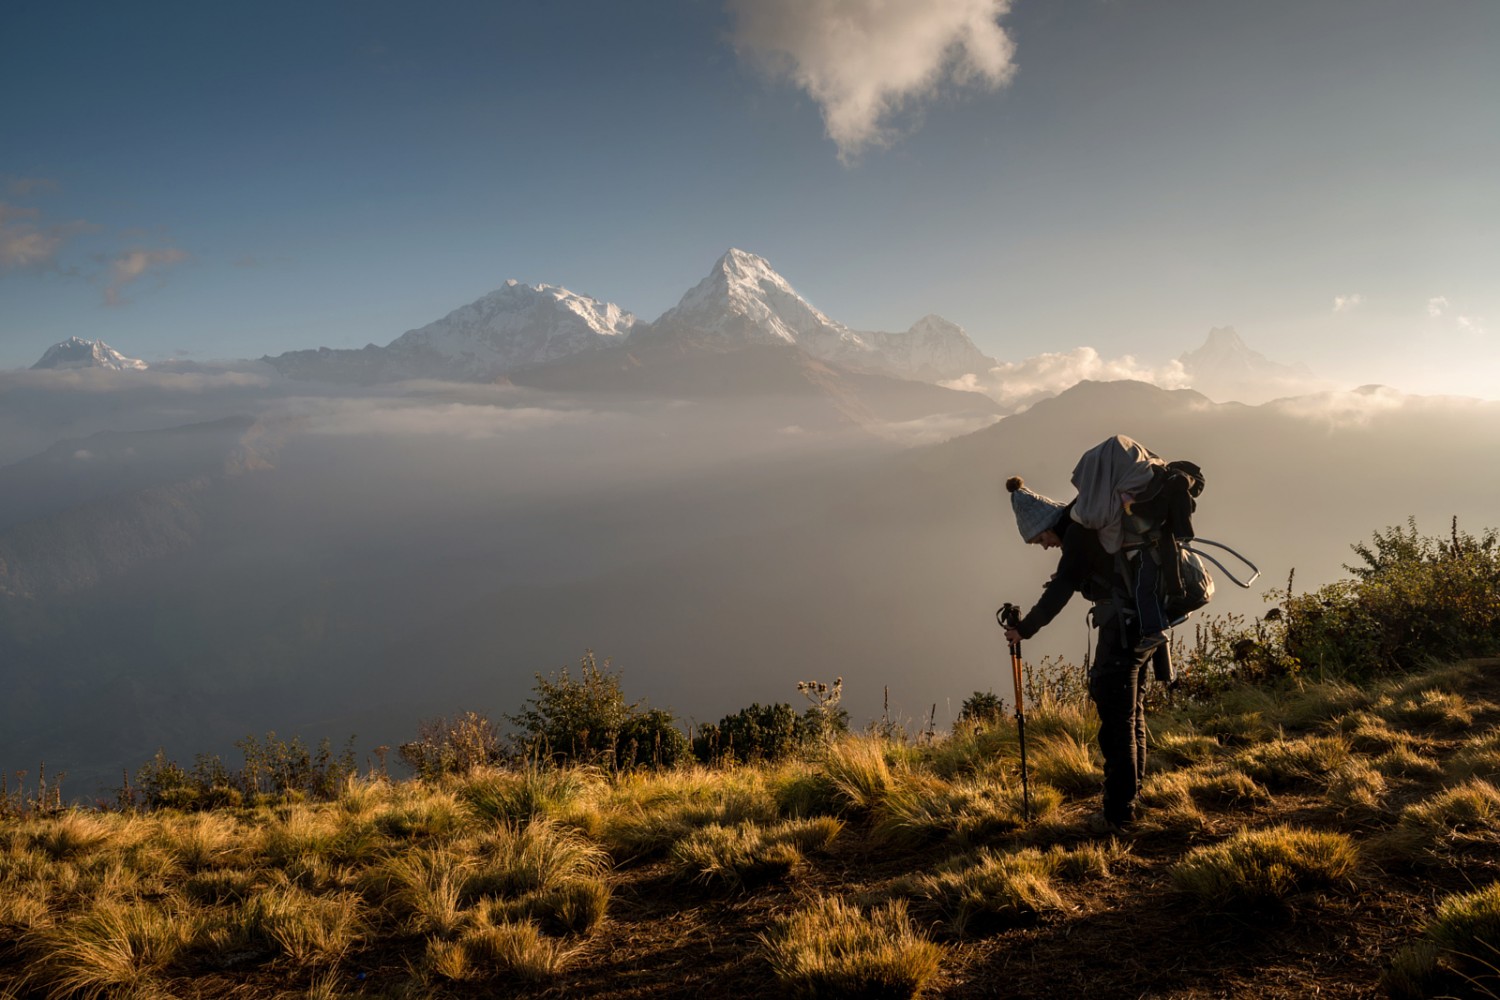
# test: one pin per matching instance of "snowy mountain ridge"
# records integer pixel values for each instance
(75, 352)
(742, 302)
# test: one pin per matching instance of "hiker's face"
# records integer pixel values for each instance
(1047, 539)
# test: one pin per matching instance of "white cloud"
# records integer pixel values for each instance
(1018, 384)
(1344, 303)
(133, 264)
(1437, 305)
(864, 61)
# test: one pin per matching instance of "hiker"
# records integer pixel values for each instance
(1120, 669)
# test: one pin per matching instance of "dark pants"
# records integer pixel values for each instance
(1117, 684)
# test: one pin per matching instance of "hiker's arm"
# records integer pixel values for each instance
(1056, 594)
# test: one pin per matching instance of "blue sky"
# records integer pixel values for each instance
(231, 180)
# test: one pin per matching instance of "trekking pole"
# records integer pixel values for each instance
(1009, 616)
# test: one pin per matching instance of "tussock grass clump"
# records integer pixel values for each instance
(1357, 787)
(114, 948)
(988, 891)
(1404, 762)
(1177, 797)
(1239, 717)
(418, 812)
(512, 950)
(531, 791)
(220, 885)
(1479, 757)
(1446, 824)
(422, 887)
(310, 930)
(975, 810)
(1458, 954)
(1049, 716)
(1289, 763)
(515, 860)
(1321, 702)
(1184, 749)
(1447, 711)
(577, 907)
(72, 835)
(1259, 867)
(1067, 764)
(859, 771)
(833, 949)
(647, 813)
(1368, 733)
(202, 840)
(749, 854)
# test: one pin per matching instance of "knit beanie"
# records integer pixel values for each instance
(1034, 512)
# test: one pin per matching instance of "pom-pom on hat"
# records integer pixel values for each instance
(1034, 512)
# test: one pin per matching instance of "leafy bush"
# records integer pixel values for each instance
(272, 768)
(587, 720)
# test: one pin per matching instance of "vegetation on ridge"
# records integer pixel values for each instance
(1310, 766)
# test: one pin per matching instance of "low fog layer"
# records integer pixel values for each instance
(185, 562)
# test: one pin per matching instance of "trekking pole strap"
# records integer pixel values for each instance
(1222, 568)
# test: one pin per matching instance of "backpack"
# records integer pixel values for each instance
(1147, 507)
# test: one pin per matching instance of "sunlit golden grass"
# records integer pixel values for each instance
(1259, 867)
(307, 929)
(1067, 764)
(987, 891)
(1315, 703)
(1179, 797)
(526, 792)
(834, 949)
(575, 907)
(972, 810)
(1241, 717)
(1478, 757)
(1446, 711)
(1446, 824)
(510, 860)
(749, 854)
(112, 948)
(1458, 953)
(1284, 763)
(860, 773)
(644, 815)
(422, 887)
(1357, 788)
(1182, 749)
(508, 951)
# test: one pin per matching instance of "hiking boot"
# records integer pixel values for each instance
(1148, 643)
(1101, 826)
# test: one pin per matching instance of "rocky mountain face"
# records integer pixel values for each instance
(513, 327)
(75, 352)
(1226, 368)
(743, 302)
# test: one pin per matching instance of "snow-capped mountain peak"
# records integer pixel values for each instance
(743, 299)
(75, 352)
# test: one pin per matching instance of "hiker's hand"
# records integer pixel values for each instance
(1012, 634)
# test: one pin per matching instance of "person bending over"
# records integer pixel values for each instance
(1120, 668)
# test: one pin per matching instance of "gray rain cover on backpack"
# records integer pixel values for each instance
(1114, 466)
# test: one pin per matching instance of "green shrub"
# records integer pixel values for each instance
(760, 732)
(587, 720)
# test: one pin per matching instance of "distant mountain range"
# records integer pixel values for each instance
(742, 303)
(742, 330)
